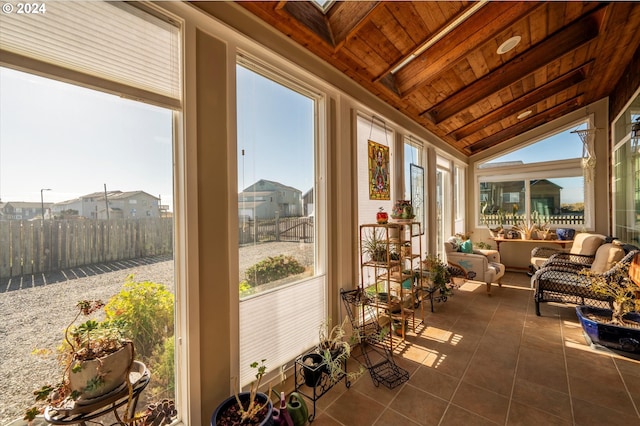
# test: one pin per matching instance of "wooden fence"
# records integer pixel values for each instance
(280, 229)
(29, 247)
(561, 219)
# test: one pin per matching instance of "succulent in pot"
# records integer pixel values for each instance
(96, 358)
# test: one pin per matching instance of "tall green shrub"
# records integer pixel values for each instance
(163, 367)
(273, 268)
(146, 308)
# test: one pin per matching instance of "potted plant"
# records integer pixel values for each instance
(617, 328)
(525, 229)
(335, 350)
(376, 247)
(494, 230)
(96, 358)
(438, 273)
(246, 408)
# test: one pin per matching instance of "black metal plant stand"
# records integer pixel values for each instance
(373, 352)
(324, 384)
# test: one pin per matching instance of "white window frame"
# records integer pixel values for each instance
(543, 170)
(318, 283)
(528, 172)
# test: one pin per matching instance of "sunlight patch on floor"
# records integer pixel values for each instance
(471, 286)
(437, 334)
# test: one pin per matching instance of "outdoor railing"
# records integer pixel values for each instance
(560, 219)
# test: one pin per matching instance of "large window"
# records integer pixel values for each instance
(626, 176)
(90, 156)
(414, 180)
(280, 213)
(545, 182)
(75, 161)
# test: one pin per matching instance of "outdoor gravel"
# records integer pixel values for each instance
(34, 318)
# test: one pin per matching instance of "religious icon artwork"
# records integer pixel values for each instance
(379, 184)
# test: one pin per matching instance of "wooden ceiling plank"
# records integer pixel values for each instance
(309, 16)
(549, 50)
(407, 19)
(346, 18)
(526, 125)
(560, 84)
(476, 30)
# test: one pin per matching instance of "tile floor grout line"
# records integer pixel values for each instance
(515, 371)
(566, 367)
(626, 388)
(453, 394)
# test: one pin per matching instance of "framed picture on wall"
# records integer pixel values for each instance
(379, 181)
(416, 181)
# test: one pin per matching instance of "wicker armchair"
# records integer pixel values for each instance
(562, 281)
(582, 251)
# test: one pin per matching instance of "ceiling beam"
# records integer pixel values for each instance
(478, 29)
(542, 54)
(526, 125)
(525, 102)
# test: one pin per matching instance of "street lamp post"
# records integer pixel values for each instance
(42, 200)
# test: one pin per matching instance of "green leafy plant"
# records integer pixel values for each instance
(439, 274)
(376, 247)
(271, 269)
(163, 365)
(482, 245)
(253, 407)
(142, 314)
(145, 311)
(335, 350)
(86, 341)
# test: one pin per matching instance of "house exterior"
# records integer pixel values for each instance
(266, 199)
(307, 203)
(121, 205)
(545, 197)
(22, 210)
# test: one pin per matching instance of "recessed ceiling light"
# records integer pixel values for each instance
(508, 45)
(524, 114)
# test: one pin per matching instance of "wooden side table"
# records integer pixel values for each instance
(532, 243)
(561, 243)
(80, 414)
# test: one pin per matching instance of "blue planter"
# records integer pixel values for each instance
(565, 233)
(611, 336)
(244, 396)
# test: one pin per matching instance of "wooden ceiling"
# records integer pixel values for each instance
(457, 85)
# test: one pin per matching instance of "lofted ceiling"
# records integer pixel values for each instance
(437, 62)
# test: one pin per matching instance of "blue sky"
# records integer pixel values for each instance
(74, 140)
(560, 146)
(275, 130)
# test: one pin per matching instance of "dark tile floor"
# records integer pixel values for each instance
(480, 360)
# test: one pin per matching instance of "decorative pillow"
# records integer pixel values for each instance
(455, 243)
(466, 247)
(607, 256)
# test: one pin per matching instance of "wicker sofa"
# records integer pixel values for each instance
(560, 280)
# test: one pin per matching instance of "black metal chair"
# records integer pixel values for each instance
(562, 281)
